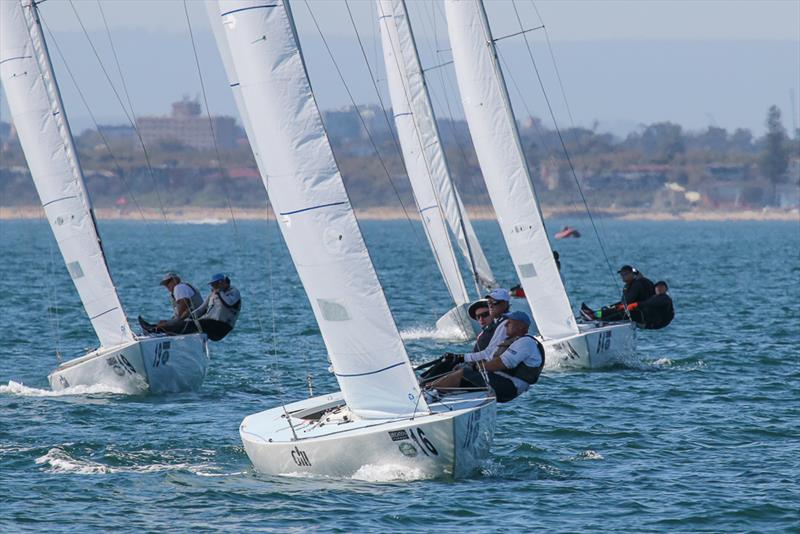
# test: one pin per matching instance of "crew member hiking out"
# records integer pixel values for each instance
(514, 366)
(184, 299)
(637, 288)
(652, 314)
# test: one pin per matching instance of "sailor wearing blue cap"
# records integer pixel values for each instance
(514, 366)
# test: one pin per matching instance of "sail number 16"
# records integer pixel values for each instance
(422, 442)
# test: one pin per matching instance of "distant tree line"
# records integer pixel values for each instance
(616, 172)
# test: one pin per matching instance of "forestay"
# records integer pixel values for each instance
(496, 139)
(314, 211)
(423, 154)
(45, 136)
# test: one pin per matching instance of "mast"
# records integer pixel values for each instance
(421, 143)
(313, 210)
(44, 133)
(496, 139)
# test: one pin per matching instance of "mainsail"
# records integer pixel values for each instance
(424, 157)
(314, 211)
(43, 130)
(496, 139)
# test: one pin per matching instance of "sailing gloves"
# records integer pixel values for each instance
(453, 358)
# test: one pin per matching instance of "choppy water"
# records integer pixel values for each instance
(698, 433)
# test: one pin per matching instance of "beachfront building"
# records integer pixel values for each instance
(188, 126)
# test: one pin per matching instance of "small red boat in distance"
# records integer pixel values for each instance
(568, 231)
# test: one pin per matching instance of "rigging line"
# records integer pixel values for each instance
(447, 86)
(397, 147)
(564, 146)
(563, 91)
(466, 327)
(125, 111)
(210, 122)
(377, 153)
(383, 109)
(237, 235)
(496, 39)
(363, 122)
(114, 159)
(398, 57)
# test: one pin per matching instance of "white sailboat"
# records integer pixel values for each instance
(124, 361)
(496, 139)
(436, 196)
(380, 416)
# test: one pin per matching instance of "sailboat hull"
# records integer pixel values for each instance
(151, 365)
(596, 346)
(450, 442)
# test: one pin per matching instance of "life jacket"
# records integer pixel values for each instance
(522, 371)
(219, 310)
(195, 301)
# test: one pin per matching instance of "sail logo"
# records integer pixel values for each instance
(120, 365)
(300, 458)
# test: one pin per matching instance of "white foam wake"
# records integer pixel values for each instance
(59, 461)
(15, 388)
(421, 332)
(389, 473)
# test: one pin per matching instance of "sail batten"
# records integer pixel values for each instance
(494, 134)
(43, 130)
(315, 217)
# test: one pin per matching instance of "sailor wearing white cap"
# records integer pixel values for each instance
(498, 300)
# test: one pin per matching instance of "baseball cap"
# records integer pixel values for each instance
(518, 316)
(169, 276)
(626, 269)
(216, 278)
(498, 294)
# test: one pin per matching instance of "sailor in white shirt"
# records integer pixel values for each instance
(184, 298)
(513, 368)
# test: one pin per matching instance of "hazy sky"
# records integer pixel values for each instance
(622, 62)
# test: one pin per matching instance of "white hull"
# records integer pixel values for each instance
(596, 346)
(449, 442)
(150, 365)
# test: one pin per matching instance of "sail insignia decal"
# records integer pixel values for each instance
(75, 270)
(332, 310)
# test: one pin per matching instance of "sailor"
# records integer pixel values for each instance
(184, 298)
(655, 312)
(479, 311)
(515, 365)
(637, 288)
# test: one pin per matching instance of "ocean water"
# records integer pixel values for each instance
(700, 431)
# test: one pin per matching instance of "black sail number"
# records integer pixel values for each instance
(423, 443)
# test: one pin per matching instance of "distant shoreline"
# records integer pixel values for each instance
(201, 215)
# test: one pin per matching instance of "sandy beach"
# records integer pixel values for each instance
(219, 215)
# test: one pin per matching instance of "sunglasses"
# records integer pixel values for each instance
(483, 315)
(494, 302)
